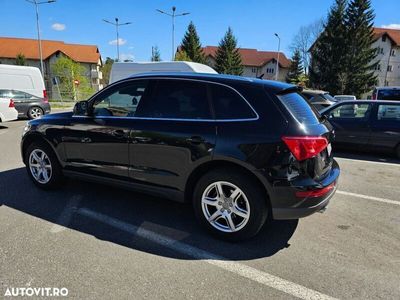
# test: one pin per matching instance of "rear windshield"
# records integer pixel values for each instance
(387, 94)
(299, 108)
(329, 97)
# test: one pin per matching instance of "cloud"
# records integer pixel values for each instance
(126, 56)
(120, 42)
(58, 26)
(392, 26)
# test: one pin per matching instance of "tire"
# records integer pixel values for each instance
(246, 215)
(35, 112)
(40, 160)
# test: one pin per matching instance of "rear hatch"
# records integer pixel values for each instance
(308, 138)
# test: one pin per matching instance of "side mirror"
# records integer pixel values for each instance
(81, 108)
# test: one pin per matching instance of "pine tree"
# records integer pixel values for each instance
(295, 69)
(328, 54)
(228, 59)
(360, 55)
(181, 55)
(192, 46)
(20, 59)
(155, 55)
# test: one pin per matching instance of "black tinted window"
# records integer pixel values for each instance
(228, 104)
(299, 108)
(388, 94)
(178, 99)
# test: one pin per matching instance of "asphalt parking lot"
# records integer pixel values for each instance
(99, 241)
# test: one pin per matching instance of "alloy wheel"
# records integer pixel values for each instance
(225, 206)
(40, 166)
(36, 112)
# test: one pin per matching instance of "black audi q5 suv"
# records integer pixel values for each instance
(240, 150)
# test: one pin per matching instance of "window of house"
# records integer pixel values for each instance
(120, 101)
(390, 68)
(384, 38)
(270, 70)
(393, 52)
(228, 104)
(177, 99)
(254, 70)
(378, 67)
(380, 50)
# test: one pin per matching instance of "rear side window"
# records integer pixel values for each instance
(229, 105)
(177, 99)
(348, 111)
(388, 112)
(299, 108)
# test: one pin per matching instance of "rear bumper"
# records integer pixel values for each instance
(286, 205)
(7, 115)
(301, 212)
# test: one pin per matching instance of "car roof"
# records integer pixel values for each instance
(316, 92)
(220, 78)
(388, 87)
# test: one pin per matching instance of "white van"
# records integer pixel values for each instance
(123, 70)
(22, 78)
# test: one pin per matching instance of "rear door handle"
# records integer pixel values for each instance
(195, 140)
(141, 139)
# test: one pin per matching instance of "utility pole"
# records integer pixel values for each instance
(117, 24)
(173, 16)
(37, 3)
(277, 62)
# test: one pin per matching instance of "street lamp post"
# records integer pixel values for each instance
(117, 24)
(173, 15)
(277, 62)
(36, 3)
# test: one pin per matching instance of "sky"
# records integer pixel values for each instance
(254, 22)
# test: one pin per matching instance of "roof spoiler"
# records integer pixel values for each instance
(292, 89)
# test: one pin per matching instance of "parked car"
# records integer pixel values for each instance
(24, 79)
(319, 99)
(230, 145)
(386, 93)
(366, 125)
(125, 69)
(26, 104)
(345, 97)
(7, 110)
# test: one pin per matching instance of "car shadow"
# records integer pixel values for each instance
(3, 127)
(164, 217)
(367, 156)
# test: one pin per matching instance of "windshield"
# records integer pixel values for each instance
(388, 94)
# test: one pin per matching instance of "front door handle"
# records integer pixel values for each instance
(141, 139)
(195, 140)
(118, 133)
(86, 140)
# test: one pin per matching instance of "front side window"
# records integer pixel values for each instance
(121, 101)
(351, 111)
(177, 99)
(229, 105)
(388, 112)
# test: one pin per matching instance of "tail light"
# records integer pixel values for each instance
(304, 147)
(316, 192)
(46, 100)
(11, 105)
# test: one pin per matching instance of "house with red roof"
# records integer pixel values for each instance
(387, 41)
(256, 63)
(87, 56)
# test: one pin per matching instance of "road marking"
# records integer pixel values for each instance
(65, 217)
(253, 274)
(368, 161)
(369, 197)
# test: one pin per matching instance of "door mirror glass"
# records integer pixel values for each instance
(81, 108)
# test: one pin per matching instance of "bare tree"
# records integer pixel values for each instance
(304, 39)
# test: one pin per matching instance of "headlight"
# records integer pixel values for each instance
(26, 129)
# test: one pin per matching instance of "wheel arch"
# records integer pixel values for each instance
(36, 137)
(202, 169)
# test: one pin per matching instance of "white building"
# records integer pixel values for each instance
(87, 56)
(256, 63)
(388, 45)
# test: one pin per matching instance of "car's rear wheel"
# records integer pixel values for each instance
(43, 166)
(230, 205)
(35, 112)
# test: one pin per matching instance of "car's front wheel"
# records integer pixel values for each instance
(230, 205)
(43, 166)
(35, 112)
